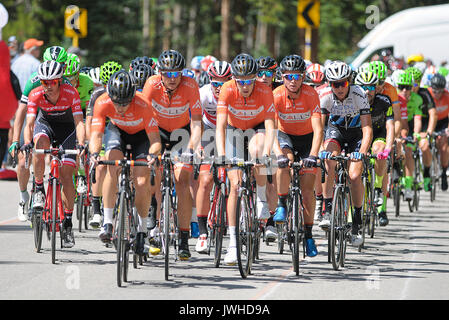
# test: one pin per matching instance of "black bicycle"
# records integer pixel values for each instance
(396, 171)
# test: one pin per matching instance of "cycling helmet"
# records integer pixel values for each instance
(73, 65)
(141, 73)
(415, 58)
(404, 78)
(292, 63)
(243, 65)
(94, 74)
(421, 66)
(121, 87)
(379, 68)
(443, 71)
(315, 73)
(219, 69)
(196, 62)
(55, 53)
(277, 79)
(50, 70)
(171, 60)
(364, 67)
(206, 62)
(204, 79)
(366, 78)
(416, 74)
(85, 70)
(267, 63)
(108, 69)
(438, 81)
(337, 71)
(141, 60)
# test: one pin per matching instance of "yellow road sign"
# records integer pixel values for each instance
(308, 14)
(75, 22)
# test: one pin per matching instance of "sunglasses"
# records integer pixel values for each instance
(121, 104)
(245, 82)
(294, 76)
(50, 83)
(369, 88)
(404, 86)
(172, 74)
(438, 91)
(267, 73)
(341, 84)
(216, 84)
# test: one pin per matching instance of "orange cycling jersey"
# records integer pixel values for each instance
(173, 112)
(442, 104)
(294, 116)
(246, 113)
(391, 92)
(137, 117)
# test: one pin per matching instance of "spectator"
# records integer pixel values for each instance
(13, 46)
(27, 63)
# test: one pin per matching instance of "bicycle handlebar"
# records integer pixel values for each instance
(56, 151)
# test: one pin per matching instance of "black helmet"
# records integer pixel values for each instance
(438, 81)
(171, 60)
(141, 60)
(243, 65)
(292, 63)
(267, 63)
(121, 87)
(141, 73)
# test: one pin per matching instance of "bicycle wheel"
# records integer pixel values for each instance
(397, 198)
(295, 232)
(37, 228)
(79, 210)
(365, 214)
(122, 241)
(165, 229)
(219, 226)
(280, 227)
(337, 234)
(373, 209)
(243, 235)
(54, 212)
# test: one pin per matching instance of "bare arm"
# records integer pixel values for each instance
(367, 131)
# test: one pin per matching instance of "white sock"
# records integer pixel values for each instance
(194, 217)
(232, 237)
(108, 213)
(261, 193)
(142, 224)
(24, 196)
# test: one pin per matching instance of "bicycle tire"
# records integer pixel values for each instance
(280, 227)
(165, 220)
(121, 242)
(54, 210)
(37, 229)
(397, 199)
(86, 210)
(373, 208)
(336, 229)
(79, 211)
(243, 235)
(295, 225)
(366, 211)
(219, 227)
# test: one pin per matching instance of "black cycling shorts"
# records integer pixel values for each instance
(117, 139)
(300, 144)
(340, 136)
(237, 141)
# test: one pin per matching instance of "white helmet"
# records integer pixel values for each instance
(49, 70)
(337, 71)
(94, 74)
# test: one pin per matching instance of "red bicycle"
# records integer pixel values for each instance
(53, 213)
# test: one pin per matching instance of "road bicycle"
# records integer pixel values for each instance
(435, 167)
(53, 213)
(369, 213)
(396, 172)
(83, 194)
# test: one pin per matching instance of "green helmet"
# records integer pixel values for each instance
(108, 69)
(443, 71)
(404, 78)
(55, 53)
(73, 65)
(366, 78)
(379, 68)
(416, 74)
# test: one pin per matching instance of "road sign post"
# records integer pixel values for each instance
(75, 23)
(308, 18)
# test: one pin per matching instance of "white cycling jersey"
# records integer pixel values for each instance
(209, 104)
(345, 114)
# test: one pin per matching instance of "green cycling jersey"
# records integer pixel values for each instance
(414, 105)
(85, 88)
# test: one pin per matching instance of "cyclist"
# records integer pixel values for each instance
(94, 75)
(60, 120)
(404, 82)
(140, 74)
(82, 82)
(175, 100)
(219, 72)
(195, 65)
(55, 53)
(441, 98)
(107, 69)
(349, 122)
(429, 121)
(244, 104)
(298, 118)
(267, 67)
(131, 123)
(383, 137)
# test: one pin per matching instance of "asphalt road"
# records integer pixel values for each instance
(408, 259)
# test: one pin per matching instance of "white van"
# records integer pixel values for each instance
(421, 30)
